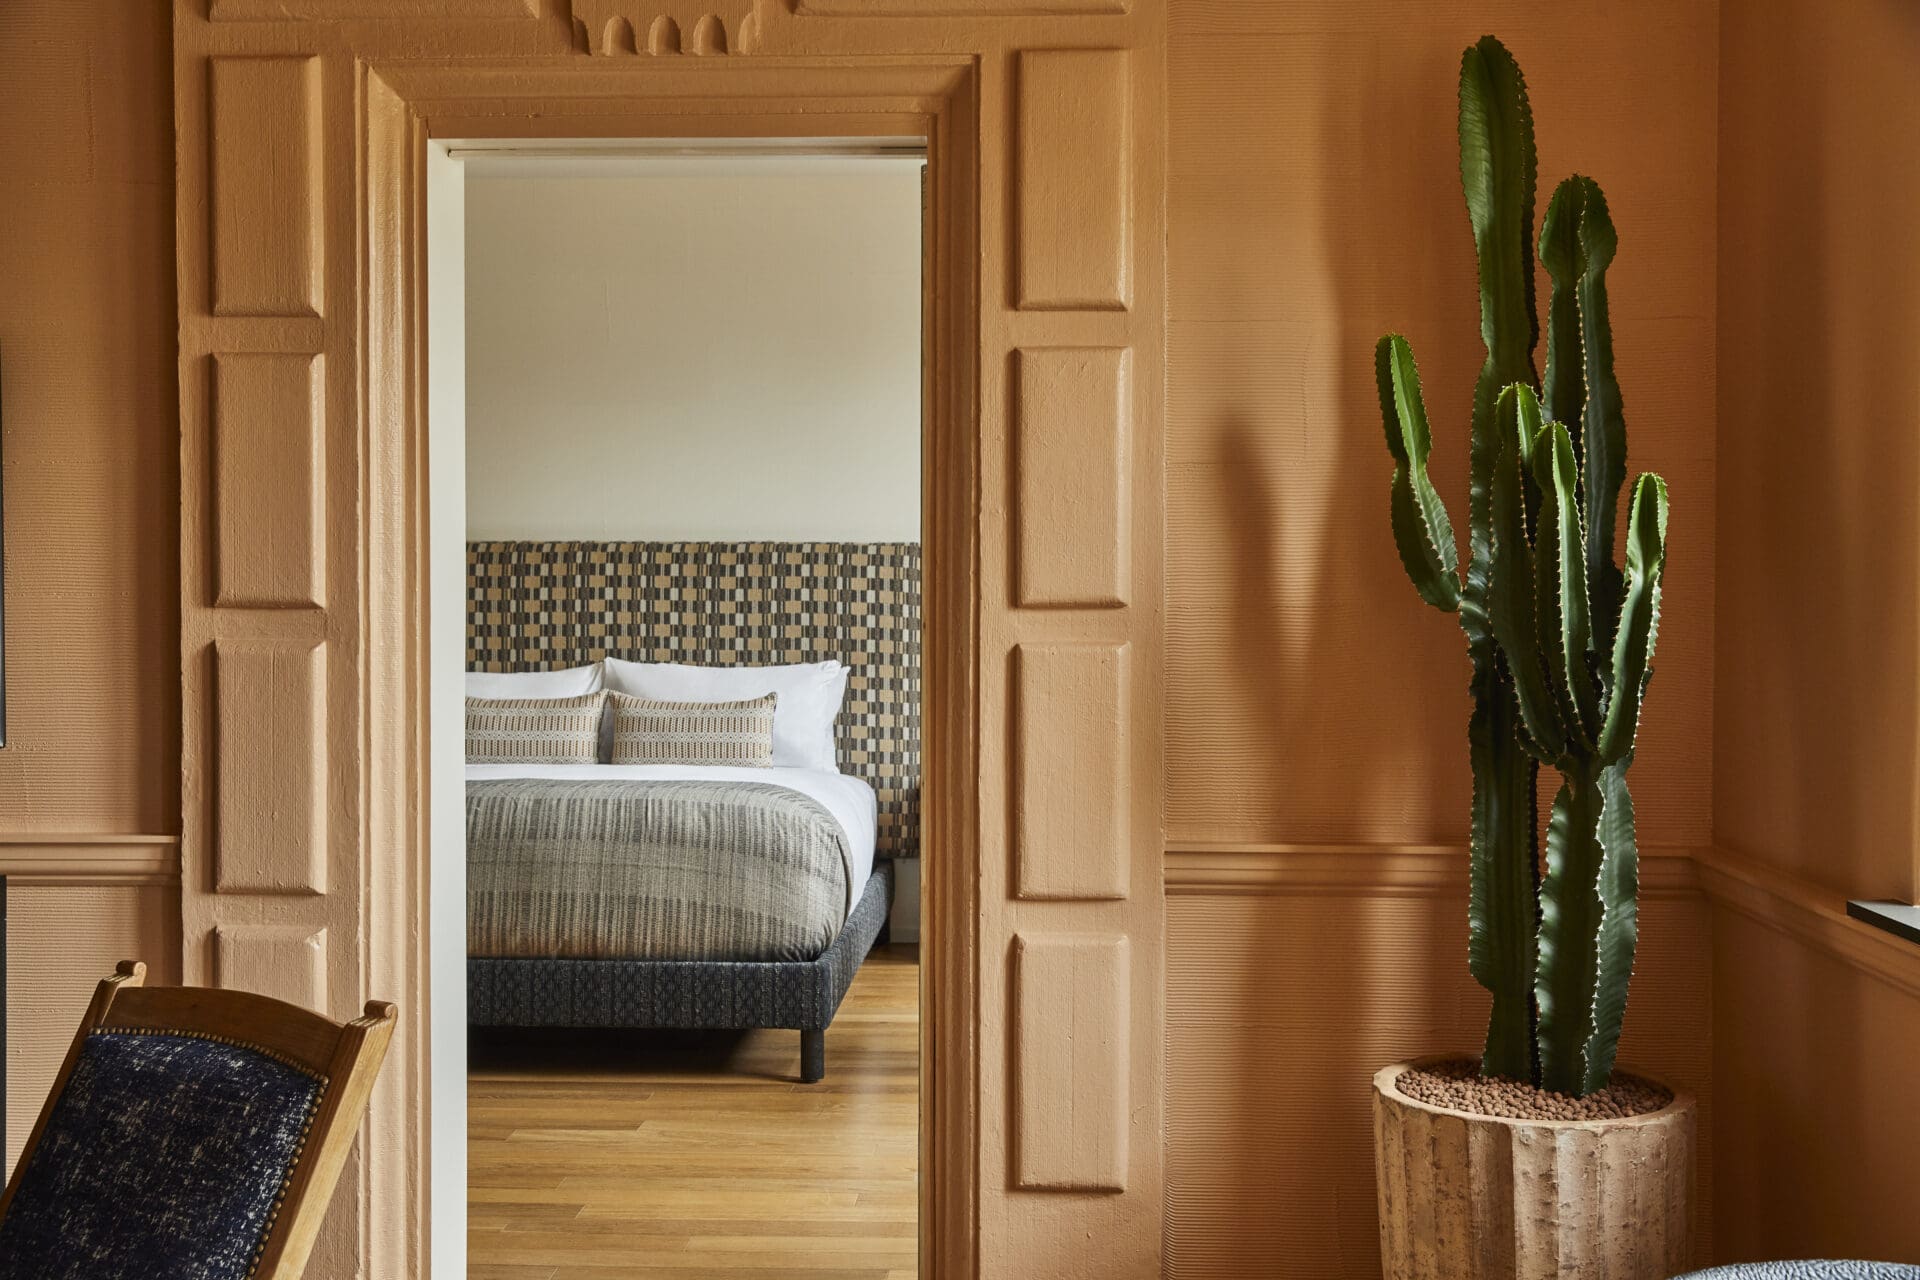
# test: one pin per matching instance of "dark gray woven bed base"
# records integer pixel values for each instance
(719, 995)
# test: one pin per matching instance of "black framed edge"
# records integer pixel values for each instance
(3, 581)
(1898, 918)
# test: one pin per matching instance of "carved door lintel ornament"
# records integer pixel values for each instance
(664, 26)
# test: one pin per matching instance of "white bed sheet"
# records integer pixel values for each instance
(849, 799)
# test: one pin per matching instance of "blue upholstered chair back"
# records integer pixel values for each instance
(191, 1135)
(165, 1155)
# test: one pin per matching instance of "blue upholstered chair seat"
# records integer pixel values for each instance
(165, 1158)
(1808, 1271)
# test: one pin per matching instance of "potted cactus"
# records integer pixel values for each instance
(1538, 1160)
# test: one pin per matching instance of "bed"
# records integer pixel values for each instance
(688, 896)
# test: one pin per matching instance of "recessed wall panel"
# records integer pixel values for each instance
(1073, 202)
(265, 117)
(268, 481)
(1073, 534)
(287, 962)
(1070, 761)
(1071, 1032)
(271, 815)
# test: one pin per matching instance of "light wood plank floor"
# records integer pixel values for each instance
(683, 1156)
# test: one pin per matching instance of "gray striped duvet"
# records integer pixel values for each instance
(652, 870)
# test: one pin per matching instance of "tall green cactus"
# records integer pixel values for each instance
(1560, 639)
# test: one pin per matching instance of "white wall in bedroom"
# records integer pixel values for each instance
(685, 348)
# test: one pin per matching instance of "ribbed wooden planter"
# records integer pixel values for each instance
(1468, 1197)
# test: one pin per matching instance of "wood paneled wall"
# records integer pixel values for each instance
(89, 778)
(1819, 662)
(1317, 781)
(1817, 1028)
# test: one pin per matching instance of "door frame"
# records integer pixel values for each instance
(406, 106)
(300, 127)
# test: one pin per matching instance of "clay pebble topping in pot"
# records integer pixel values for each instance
(1460, 1087)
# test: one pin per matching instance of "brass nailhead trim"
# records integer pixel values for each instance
(230, 1041)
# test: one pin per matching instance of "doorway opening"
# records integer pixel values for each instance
(676, 461)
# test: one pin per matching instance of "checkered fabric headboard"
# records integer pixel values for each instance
(534, 605)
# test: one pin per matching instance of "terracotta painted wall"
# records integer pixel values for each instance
(89, 779)
(1315, 203)
(1819, 646)
(1318, 787)
(86, 347)
(1820, 367)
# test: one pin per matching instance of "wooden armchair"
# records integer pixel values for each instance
(190, 1132)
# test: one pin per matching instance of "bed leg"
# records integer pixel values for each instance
(813, 1056)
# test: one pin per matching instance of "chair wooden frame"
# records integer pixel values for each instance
(347, 1056)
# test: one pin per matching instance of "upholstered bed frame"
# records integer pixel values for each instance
(537, 605)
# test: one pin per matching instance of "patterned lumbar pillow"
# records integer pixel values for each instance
(535, 730)
(650, 732)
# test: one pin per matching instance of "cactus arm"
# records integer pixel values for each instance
(1514, 610)
(1570, 914)
(1497, 172)
(1503, 880)
(1604, 433)
(1619, 930)
(1498, 168)
(1589, 923)
(1483, 457)
(1639, 628)
(1577, 244)
(1421, 528)
(1560, 585)
(1563, 386)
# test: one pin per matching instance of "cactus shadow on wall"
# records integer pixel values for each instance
(1396, 231)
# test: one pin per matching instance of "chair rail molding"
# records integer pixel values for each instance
(1726, 878)
(1811, 913)
(88, 859)
(1198, 867)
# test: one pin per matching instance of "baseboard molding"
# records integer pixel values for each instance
(61, 859)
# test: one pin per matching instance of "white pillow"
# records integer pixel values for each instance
(810, 694)
(836, 698)
(570, 683)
